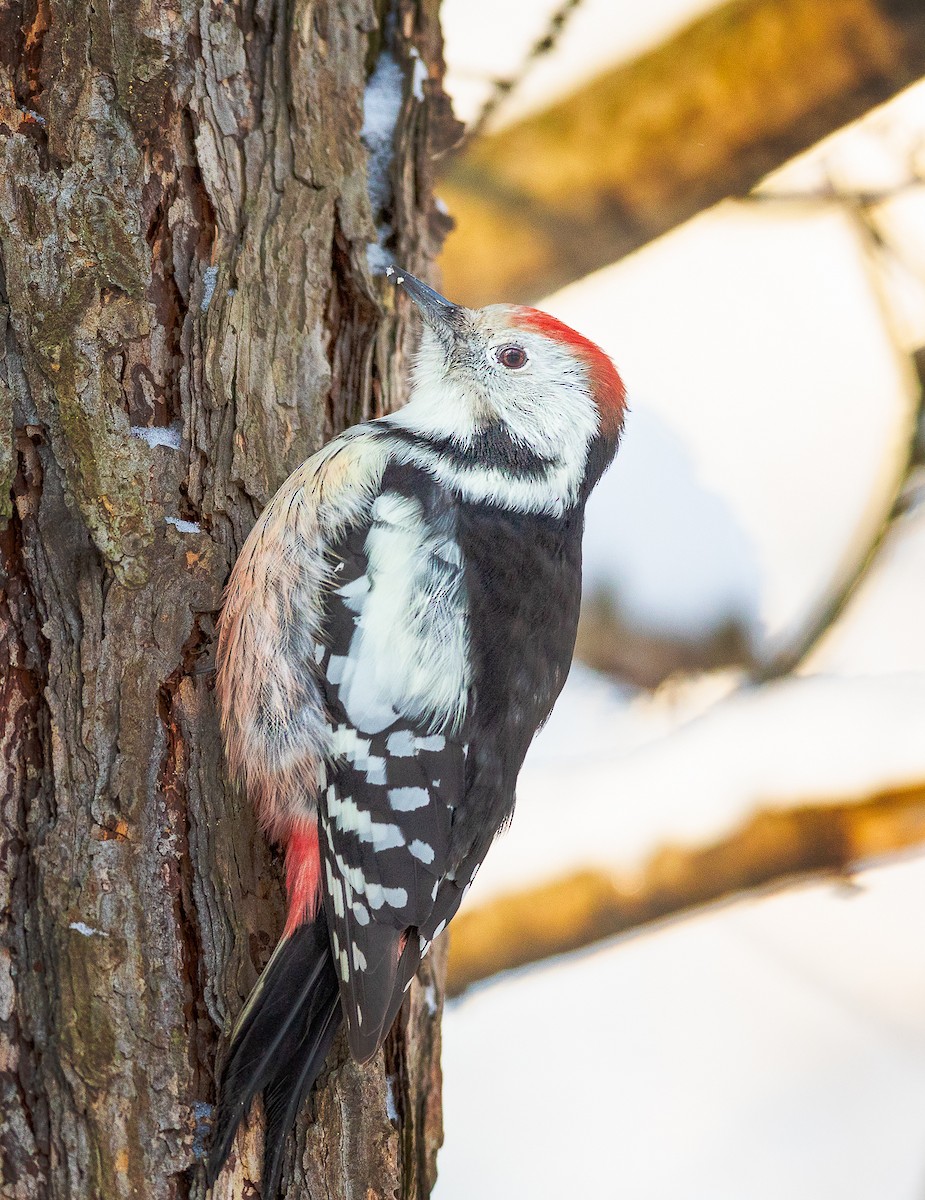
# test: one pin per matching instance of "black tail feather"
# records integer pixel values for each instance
(279, 1046)
(284, 1096)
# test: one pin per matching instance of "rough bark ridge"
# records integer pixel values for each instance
(187, 311)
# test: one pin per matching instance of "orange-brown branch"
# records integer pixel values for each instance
(647, 146)
(585, 907)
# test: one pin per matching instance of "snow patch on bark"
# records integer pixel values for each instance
(390, 1108)
(382, 103)
(184, 526)
(419, 75)
(87, 930)
(159, 435)
(209, 279)
(202, 1114)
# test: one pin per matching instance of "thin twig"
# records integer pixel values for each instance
(503, 88)
(790, 659)
(830, 193)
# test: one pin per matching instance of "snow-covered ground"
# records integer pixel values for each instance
(774, 1048)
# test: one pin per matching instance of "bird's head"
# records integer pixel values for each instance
(517, 371)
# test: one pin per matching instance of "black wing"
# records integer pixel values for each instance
(395, 777)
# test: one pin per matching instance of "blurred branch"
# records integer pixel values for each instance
(790, 659)
(502, 88)
(614, 643)
(793, 656)
(611, 644)
(831, 194)
(648, 145)
(773, 849)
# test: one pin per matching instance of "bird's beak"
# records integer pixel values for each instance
(436, 310)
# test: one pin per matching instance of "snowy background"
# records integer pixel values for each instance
(775, 1046)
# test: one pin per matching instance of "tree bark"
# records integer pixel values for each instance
(650, 144)
(187, 312)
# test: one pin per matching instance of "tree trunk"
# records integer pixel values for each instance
(188, 311)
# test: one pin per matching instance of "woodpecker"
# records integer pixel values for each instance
(398, 625)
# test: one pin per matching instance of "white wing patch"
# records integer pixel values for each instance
(394, 673)
(407, 799)
(407, 658)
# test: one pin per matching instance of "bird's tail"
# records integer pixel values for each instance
(279, 1046)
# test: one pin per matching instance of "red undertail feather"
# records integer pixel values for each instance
(303, 875)
(609, 389)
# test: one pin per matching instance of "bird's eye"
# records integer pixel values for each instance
(512, 357)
